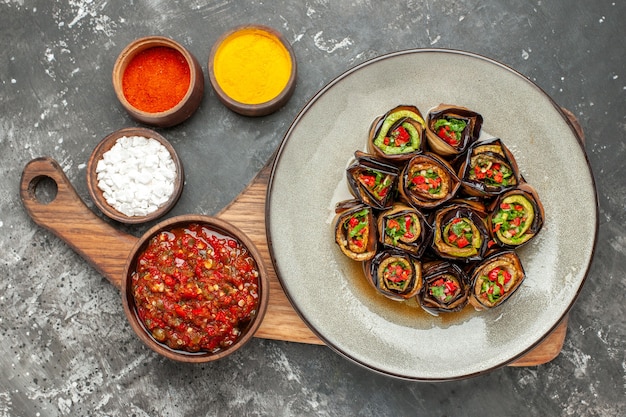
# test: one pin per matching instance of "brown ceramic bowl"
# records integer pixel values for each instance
(185, 107)
(237, 104)
(219, 227)
(97, 194)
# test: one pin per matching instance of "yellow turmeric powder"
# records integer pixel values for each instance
(252, 66)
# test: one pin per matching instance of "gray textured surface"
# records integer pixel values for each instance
(65, 347)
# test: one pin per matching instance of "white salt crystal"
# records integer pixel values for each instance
(136, 175)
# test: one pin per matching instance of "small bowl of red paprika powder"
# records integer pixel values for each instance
(158, 81)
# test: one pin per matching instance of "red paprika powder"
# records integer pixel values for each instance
(156, 79)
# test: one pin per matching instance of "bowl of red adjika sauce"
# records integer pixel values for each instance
(158, 81)
(195, 289)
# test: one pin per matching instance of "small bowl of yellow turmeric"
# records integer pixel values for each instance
(252, 69)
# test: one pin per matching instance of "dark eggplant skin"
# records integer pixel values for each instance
(470, 212)
(506, 261)
(492, 152)
(414, 244)
(470, 199)
(369, 166)
(470, 134)
(450, 183)
(432, 272)
(346, 210)
(383, 124)
(526, 196)
(375, 274)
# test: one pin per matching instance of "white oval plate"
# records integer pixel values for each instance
(328, 290)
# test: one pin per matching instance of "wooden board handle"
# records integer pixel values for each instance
(67, 216)
(107, 249)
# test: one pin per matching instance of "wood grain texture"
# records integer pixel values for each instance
(107, 249)
(547, 350)
(247, 212)
(67, 216)
(281, 321)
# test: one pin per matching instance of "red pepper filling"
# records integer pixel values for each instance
(357, 228)
(448, 135)
(397, 137)
(492, 173)
(397, 272)
(460, 233)
(450, 130)
(444, 288)
(195, 290)
(376, 182)
(426, 181)
(493, 284)
(401, 228)
(510, 220)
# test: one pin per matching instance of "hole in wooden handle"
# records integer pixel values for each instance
(43, 189)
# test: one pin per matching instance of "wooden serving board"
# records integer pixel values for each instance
(107, 249)
(281, 321)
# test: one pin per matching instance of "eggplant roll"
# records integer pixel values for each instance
(516, 217)
(495, 279)
(395, 274)
(405, 228)
(489, 169)
(427, 181)
(355, 230)
(398, 134)
(445, 289)
(460, 232)
(450, 130)
(372, 181)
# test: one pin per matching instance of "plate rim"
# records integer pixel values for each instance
(311, 101)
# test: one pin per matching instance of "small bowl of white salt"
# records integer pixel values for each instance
(134, 175)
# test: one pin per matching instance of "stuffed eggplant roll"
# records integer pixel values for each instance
(427, 181)
(372, 181)
(451, 129)
(355, 230)
(495, 279)
(489, 169)
(516, 217)
(405, 228)
(460, 232)
(398, 134)
(445, 288)
(395, 274)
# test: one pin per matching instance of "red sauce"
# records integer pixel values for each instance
(195, 290)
